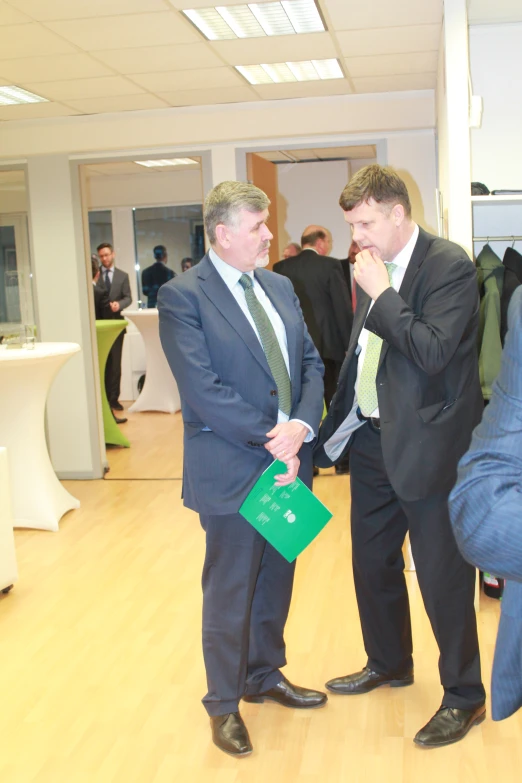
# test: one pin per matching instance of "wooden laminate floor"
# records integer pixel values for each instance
(101, 670)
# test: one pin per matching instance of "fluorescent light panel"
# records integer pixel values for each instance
(12, 95)
(307, 71)
(255, 20)
(165, 162)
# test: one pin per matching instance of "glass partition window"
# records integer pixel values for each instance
(179, 229)
(100, 228)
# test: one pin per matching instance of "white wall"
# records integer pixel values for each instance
(145, 190)
(309, 193)
(496, 71)
(414, 157)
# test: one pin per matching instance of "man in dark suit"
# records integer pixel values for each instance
(407, 401)
(116, 282)
(156, 275)
(251, 391)
(348, 267)
(320, 286)
(486, 510)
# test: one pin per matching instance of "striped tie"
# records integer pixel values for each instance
(271, 347)
(367, 389)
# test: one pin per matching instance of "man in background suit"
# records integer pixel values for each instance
(156, 275)
(486, 510)
(407, 401)
(348, 267)
(320, 286)
(102, 303)
(116, 282)
(251, 391)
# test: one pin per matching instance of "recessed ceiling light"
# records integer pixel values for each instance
(255, 20)
(165, 162)
(306, 71)
(13, 95)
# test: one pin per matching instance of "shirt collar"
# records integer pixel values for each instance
(229, 273)
(309, 247)
(404, 256)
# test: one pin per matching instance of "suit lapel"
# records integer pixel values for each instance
(217, 291)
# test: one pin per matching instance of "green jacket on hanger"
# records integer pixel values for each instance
(490, 275)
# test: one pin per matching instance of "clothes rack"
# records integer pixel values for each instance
(490, 238)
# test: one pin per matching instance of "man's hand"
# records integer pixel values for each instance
(115, 307)
(371, 274)
(290, 476)
(286, 439)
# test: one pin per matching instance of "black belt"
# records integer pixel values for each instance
(373, 421)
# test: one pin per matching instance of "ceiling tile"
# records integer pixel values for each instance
(153, 59)
(30, 40)
(9, 15)
(48, 69)
(181, 4)
(303, 89)
(484, 11)
(362, 16)
(417, 38)
(33, 111)
(209, 97)
(391, 64)
(189, 80)
(83, 88)
(284, 48)
(137, 30)
(118, 103)
(412, 81)
(47, 10)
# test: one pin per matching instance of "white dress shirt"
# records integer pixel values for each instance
(335, 445)
(230, 276)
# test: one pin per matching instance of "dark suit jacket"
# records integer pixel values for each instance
(345, 263)
(228, 395)
(102, 310)
(152, 278)
(427, 382)
(486, 510)
(320, 286)
(120, 289)
(512, 279)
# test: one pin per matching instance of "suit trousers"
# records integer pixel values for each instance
(380, 521)
(113, 370)
(247, 587)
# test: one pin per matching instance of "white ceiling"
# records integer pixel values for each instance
(92, 56)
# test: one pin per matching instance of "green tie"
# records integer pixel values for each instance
(367, 389)
(271, 347)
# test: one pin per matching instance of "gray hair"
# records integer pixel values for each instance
(226, 200)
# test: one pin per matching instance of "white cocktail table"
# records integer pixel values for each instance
(160, 392)
(38, 499)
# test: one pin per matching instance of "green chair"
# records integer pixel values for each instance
(106, 333)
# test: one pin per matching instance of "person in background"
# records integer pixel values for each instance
(348, 267)
(186, 264)
(156, 275)
(116, 282)
(251, 391)
(486, 510)
(407, 402)
(102, 308)
(292, 249)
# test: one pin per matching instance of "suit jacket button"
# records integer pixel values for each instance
(273, 392)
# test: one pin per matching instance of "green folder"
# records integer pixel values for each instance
(288, 517)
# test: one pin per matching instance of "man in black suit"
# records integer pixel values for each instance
(154, 276)
(348, 267)
(319, 283)
(116, 282)
(407, 401)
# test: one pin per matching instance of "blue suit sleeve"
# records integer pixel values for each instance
(486, 503)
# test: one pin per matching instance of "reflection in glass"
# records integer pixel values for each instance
(100, 228)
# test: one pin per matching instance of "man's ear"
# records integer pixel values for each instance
(398, 214)
(223, 235)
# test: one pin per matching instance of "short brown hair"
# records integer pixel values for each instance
(104, 245)
(224, 203)
(380, 183)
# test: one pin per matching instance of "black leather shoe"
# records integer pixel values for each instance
(315, 471)
(342, 470)
(119, 420)
(449, 725)
(289, 695)
(366, 681)
(117, 406)
(230, 734)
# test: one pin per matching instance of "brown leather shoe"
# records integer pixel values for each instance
(289, 695)
(449, 725)
(366, 681)
(230, 734)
